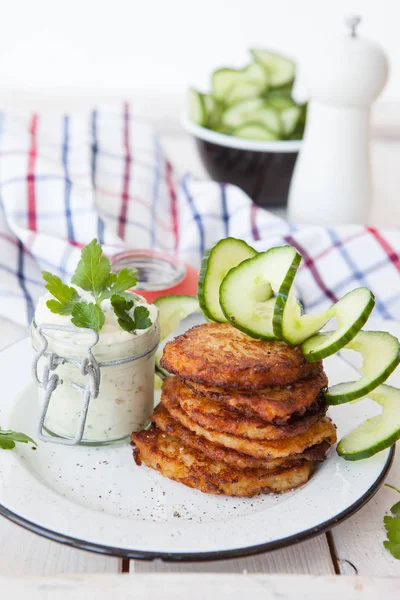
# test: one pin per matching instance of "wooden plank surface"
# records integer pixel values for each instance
(311, 557)
(23, 552)
(201, 587)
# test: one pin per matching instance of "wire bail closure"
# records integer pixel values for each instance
(50, 381)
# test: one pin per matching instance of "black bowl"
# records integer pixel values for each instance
(262, 169)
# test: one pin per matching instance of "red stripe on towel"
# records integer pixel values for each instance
(125, 186)
(391, 253)
(173, 205)
(31, 192)
(309, 262)
(253, 222)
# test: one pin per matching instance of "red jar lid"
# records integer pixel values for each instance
(159, 274)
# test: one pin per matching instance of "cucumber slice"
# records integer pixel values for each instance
(213, 111)
(380, 352)
(269, 117)
(171, 311)
(254, 131)
(351, 312)
(197, 109)
(222, 81)
(255, 72)
(241, 112)
(280, 101)
(280, 68)
(242, 91)
(216, 263)
(245, 293)
(290, 117)
(231, 85)
(376, 433)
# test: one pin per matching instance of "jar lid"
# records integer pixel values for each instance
(156, 271)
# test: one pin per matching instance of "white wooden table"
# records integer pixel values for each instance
(353, 548)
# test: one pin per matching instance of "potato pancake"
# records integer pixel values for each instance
(219, 355)
(217, 416)
(175, 460)
(273, 404)
(317, 433)
(168, 424)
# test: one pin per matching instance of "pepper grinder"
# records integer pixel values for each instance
(331, 183)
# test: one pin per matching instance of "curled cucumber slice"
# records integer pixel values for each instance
(171, 311)
(376, 433)
(246, 293)
(380, 352)
(216, 263)
(351, 313)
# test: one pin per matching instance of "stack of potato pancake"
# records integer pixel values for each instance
(238, 416)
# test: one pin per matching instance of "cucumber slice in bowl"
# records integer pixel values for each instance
(376, 433)
(290, 117)
(246, 292)
(255, 131)
(380, 352)
(238, 113)
(351, 313)
(171, 311)
(197, 108)
(252, 81)
(242, 91)
(280, 68)
(216, 263)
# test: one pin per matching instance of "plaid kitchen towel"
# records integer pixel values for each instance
(65, 179)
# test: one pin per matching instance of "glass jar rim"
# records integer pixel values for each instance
(157, 271)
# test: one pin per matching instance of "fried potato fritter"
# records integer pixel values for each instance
(317, 433)
(168, 424)
(175, 460)
(217, 354)
(220, 417)
(273, 404)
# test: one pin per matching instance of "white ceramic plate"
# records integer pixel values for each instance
(97, 499)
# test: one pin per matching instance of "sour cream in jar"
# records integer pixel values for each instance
(125, 399)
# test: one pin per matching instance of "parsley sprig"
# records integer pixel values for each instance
(392, 526)
(93, 274)
(8, 439)
(122, 308)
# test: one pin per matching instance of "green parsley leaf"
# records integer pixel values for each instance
(393, 548)
(142, 317)
(89, 315)
(93, 270)
(395, 510)
(118, 283)
(122, 307)
(66, 296)
(8, 439)
(392, 526)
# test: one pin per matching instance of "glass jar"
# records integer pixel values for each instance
(126, 385)
(159, 273)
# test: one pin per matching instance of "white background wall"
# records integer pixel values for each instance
(157, 46)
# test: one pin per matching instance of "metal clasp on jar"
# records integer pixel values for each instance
(50, 381)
